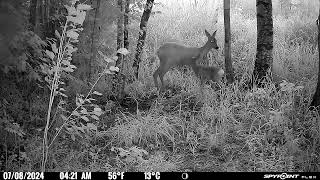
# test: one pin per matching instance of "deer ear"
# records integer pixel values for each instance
(207, 34)
(214, 34)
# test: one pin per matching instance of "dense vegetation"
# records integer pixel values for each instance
(230, 129)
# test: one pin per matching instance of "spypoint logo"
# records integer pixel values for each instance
(281, 176)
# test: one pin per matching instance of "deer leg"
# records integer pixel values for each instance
(202, 85)
(163, 71)
(161, 79)
(155, 78)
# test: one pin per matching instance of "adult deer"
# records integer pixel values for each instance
(172, 54)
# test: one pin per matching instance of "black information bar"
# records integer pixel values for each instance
(152, 175)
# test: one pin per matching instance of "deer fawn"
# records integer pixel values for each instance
(171, 55)
(208, 73)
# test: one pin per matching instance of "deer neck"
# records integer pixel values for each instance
(203, 51)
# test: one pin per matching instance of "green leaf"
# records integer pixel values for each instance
(92, 126)
(123, 51)
(50, 54)
(73, 2)
(85, 118)
(91, 99)
(81, 128)
(97, 111)
(95, 117)
(67, 69)
(84, 7)
(71, 10)
(108, 60)
(299, 87)
(113, 68)
(54, 48)
(63, 117)
(35, 75)
(65, 62)
(75, 113)
(97, 93)
(107, 71)
(22, 64)
(57, 34)
(80, 18)
(73, 137)
(101, 54)
(84, 111)
(62, 94)
(73, 66)
(72, 34)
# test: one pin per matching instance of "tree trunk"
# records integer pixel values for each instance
(126, 22)
(49, 24)
(93, 50)
(46, 17)
(227, 42)
(264, 41)
(36, 17)
(118, 78)
(39, 17)
(121, 78)
(120, 32)
(33, 14)
(81, 58)
(142, 36)
(316, 97)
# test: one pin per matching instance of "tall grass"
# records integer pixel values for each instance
(181, 22)
(232, 129)
(222, 129)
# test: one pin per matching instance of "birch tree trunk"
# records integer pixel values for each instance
(142, 36)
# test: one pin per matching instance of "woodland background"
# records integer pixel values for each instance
(233, 129)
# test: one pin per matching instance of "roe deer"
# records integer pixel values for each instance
(172, 54)
(208, 73)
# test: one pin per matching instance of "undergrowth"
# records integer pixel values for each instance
(223, 129)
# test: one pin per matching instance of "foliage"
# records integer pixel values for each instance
(77, 123)
(148, 129)
(25, 50)
(230, 129)
(63, 56)
(137, 159)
